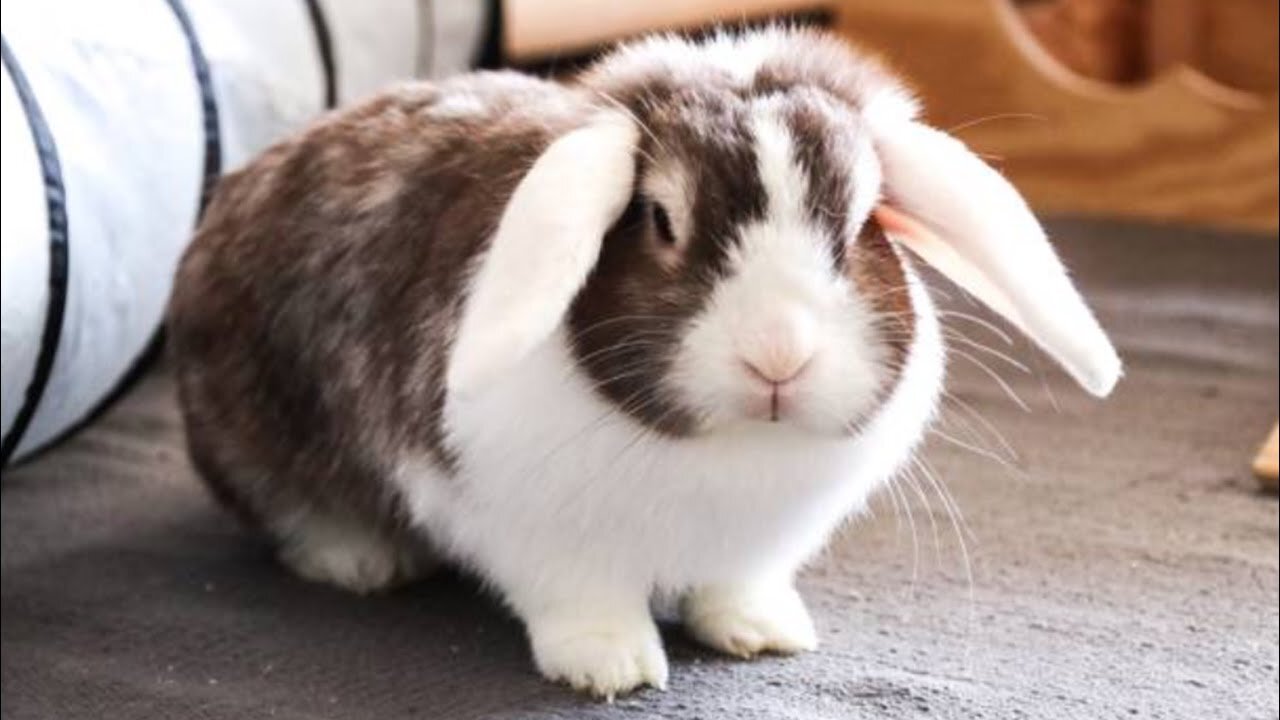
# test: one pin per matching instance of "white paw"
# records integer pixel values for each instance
(602, 657)
(749, 622)
(353, 559)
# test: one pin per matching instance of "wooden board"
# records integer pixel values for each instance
(538, 29)
(1267, 464)
(1179, 148)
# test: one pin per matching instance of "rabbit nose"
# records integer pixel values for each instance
(778, 369)
(783, 349)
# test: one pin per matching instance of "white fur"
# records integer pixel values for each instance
(935, 179)
(866, 191)
(557, 487)
(543, 248)
(740, 56)
(599, 650)
(578, 515)
(782, 307)
(748, 620)
(458, 105)
(324, 549)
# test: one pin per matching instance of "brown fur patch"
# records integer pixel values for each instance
(876, 270)
(627, 322)
(825, 150)
(311, 316)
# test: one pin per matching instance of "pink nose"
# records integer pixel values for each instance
(777, 368)
(779, 345)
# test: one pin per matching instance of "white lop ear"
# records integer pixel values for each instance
(546, 244)
(959, 215)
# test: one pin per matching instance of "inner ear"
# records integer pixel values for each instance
(926, 245)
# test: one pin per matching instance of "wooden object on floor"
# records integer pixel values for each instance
(1180, 147)
(1127, 41)
(1267, 464)
(1099, 39)
(1231, 41)
(539, 29)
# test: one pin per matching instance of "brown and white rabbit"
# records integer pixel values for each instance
(638, 333)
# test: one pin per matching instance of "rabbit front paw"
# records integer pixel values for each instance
(604, 657)
(747, 621)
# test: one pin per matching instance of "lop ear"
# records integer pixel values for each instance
(960, 216)
(546, 244)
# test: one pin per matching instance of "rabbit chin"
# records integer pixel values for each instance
(844, 378)
(761, 416)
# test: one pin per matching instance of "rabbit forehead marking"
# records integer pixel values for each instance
(822, 178)
(817, 190)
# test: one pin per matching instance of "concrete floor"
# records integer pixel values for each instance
(1124, 565)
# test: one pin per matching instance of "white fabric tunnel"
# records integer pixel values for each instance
(116, 116)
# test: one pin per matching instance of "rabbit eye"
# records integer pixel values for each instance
(662, 222)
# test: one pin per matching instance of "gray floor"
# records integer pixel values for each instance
(1123, 566)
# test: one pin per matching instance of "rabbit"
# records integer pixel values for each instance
(657, 329)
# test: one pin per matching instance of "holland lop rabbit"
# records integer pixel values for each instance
(652, 330)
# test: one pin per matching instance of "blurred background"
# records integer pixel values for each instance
(1051, 556)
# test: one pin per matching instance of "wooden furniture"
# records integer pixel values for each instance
(1177, 147)
(1267, 464)
(535, 30)
(1180, 146)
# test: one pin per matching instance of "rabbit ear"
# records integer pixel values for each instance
(546, 244)
(960, 216)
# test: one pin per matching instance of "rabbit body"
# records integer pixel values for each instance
(635, 334)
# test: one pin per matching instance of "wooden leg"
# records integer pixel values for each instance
(1267, 465)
